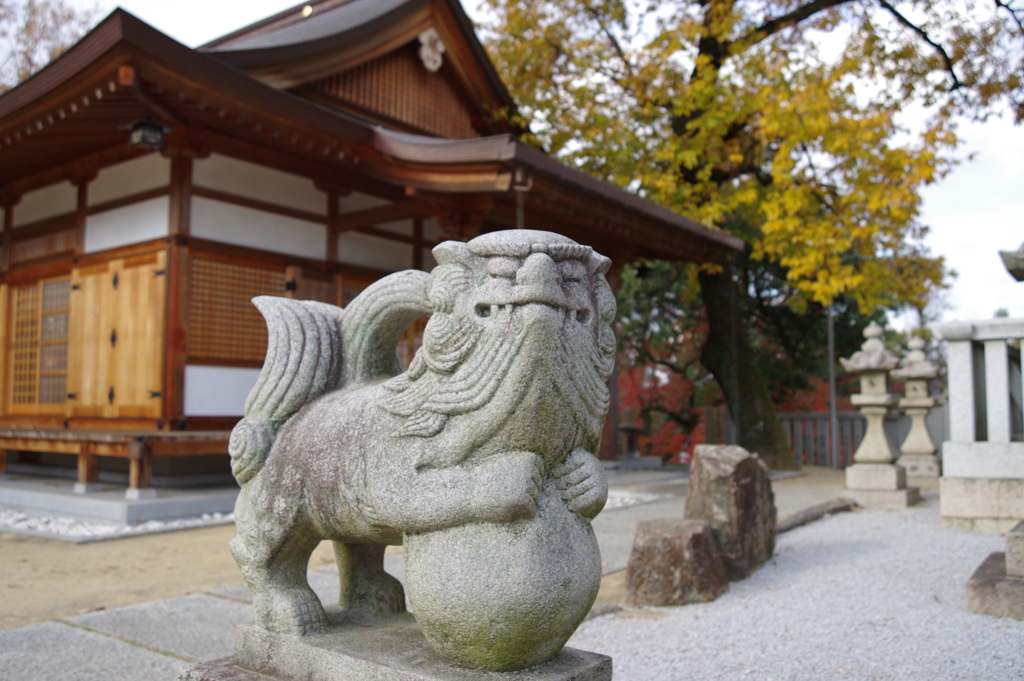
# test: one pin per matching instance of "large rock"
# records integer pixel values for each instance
(674, 562)
(730, 489)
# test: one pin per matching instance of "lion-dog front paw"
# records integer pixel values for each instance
(507, 487)
(580, 479)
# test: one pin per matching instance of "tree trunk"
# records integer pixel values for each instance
(728, 356)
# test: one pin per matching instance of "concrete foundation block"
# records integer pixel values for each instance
(1015, 551)
(920, 465)
(141, 493)
(981, 504)
(991, 592)
(87, 487)
(392, 651)
(884, 499)
(876, 476)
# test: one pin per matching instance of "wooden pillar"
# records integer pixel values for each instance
(3, 462)
(140, 465)
(179, 227)
(7, 203)
(417, 243)
(332, 227)
(81, 182)
(88, 469)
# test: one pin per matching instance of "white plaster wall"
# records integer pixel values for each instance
(258, 182)
(48, 202)
(364, 250)
(131, 177)
(231, 224)
(127, 225)
(217, 391)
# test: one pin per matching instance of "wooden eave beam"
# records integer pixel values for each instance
(405, 210)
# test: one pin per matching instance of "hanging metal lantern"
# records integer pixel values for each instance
(147, 135)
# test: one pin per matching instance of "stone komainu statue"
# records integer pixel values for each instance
(478, 458)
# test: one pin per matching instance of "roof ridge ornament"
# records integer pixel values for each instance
(431, 49)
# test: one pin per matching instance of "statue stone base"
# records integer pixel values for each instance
(879, 486)
(393, 649)
(920, 465)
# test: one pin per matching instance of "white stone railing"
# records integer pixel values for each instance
(985, 405)
(982, 484)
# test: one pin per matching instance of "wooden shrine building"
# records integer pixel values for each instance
(148, 191)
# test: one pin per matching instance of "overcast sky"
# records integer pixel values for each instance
(974, 213)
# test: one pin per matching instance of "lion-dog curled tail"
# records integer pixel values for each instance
(314, 348)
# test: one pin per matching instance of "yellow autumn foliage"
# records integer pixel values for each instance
(790, 114)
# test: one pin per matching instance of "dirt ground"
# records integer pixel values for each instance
(44, 579)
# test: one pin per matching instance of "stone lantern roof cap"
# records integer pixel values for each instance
(916, 364)
(872, 355)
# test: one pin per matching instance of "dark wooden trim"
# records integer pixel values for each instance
(404, 210)
(417, 243)
(5, 255)
(80, 216)
(318, 171)
(138, 197)
(331, 247)
(63, 263)
(67, 171)
(43, 227)
(180, 214)
(221, 362)
(393, 236)
(256, 204)
(176, 331)
(215, 250)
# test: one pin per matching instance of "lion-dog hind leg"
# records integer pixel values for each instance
(366, 590)
(273, 549)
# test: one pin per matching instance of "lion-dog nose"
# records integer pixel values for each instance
(539, 281)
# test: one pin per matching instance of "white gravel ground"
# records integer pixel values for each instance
(858, 596)
(69, 529)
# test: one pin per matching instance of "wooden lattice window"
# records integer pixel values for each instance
(39, 349)
(224, 326)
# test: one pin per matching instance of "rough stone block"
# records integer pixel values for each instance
(393, 650)
(884, 499)
(991, 592)
(1015, 551)
(920, 465)
(876, 476)
(674, 562)
(730, 489)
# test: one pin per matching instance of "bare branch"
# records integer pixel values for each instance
(1016, 14)
(773, 26)
(608, 34)
(924, 36)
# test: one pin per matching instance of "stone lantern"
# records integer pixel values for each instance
(873, 481)
(917, 453)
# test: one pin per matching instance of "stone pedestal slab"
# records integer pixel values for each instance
(876, 476)
(991, 592)
(1015, 551)
(884, 499)
(390, 650)
(920, 465)
(674, 562)
(981, 504)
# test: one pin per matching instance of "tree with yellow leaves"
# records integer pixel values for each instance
(34, 32)
(786, 117)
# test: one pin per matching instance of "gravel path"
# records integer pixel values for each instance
(858, 596)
